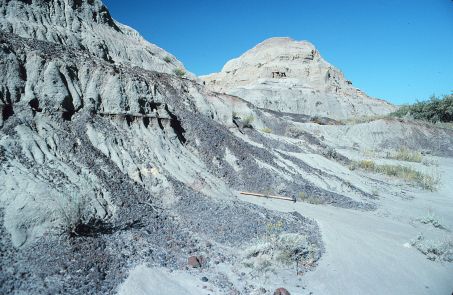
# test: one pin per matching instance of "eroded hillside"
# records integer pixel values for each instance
(114, 169)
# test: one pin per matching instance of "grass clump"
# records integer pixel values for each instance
(279, 249)
(266, 130)
(434, 110)
(78, 217)
(364, 164)
(248, 121)
(179, 72)
(405, 154)
(304, 197)
(426, 181)
(74, 211)
(370, 153)
(361, 120)
(167, 59)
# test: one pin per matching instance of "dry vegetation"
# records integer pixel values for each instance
(304, 197)
(436, 250)
(426, 181)
(72, 210)
(432, 219)
(77, 215)
(279, 249)
(248, 120)
(405, 154)
(360, 120)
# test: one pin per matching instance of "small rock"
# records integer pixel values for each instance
(204, 279)
(193, 262)
(281, 291)
(196, 261)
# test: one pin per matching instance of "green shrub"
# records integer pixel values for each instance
(167, 59)
(434, 110)
(179, 72)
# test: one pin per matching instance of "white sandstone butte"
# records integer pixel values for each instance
(285, 75)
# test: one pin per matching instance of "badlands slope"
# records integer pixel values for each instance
(119, 177)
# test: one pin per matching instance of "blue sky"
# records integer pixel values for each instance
(399, 50)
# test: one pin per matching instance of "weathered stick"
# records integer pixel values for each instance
(268, 196)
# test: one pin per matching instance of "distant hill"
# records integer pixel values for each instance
(285, 75)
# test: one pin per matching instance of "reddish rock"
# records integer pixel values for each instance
(195, 261)
(281, 291)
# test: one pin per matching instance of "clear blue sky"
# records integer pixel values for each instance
(399, 50)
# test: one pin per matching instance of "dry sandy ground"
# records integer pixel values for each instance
(370, 252)
(367, 252)
(145, 281)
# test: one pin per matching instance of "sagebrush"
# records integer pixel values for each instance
(278, 249)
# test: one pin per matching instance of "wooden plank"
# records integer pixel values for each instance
(268, 196)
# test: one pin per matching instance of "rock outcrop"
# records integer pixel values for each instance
(108, 159)
(291, 76)
(85, 25)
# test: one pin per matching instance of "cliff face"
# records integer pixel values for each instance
(84, 25)
(291, 76)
